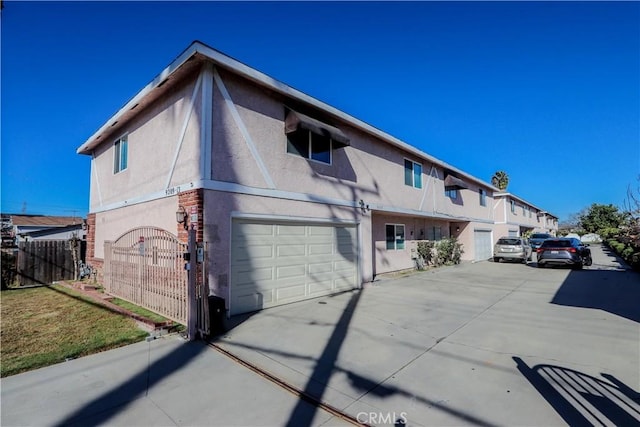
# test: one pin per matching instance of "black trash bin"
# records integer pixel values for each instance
(216, 315)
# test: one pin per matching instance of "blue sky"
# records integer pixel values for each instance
(548, 92)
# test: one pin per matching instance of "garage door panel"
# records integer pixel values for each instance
(291, 292)
(287, 272)
(289, 230)
(320, 231)
(291, 250)
(345, 265)
(273, 264)
(257, 229)
(254, 252)
(253, 301)
(320, 288)
(254, 275)
(320, 267)
(320, 249)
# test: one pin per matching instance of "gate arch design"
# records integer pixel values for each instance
(145, 266)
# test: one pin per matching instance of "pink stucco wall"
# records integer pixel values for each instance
(152, 140)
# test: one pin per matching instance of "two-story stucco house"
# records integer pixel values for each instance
(296, 199)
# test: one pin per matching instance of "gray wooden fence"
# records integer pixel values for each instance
(47, 261)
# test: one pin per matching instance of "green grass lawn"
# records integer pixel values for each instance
(46, 325)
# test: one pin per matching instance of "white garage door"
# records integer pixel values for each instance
(279, 263)
(482, 240)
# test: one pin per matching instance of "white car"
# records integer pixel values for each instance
(512, 248)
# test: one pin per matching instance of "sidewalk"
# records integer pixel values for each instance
(166, 382)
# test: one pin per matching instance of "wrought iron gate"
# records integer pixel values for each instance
(145, 266)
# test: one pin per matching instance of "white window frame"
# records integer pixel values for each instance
(310, 149)
(413, 173)
(513, 207)
(120, 146)
(396, 241)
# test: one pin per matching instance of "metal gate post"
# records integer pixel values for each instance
(191, 291)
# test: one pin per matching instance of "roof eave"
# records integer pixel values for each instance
(262, 79)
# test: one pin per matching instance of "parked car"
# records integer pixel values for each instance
(536, 239)
(564, 251)
(513, 248)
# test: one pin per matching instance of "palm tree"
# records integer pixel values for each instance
(500, 179)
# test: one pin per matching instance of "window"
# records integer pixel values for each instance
(434, 233)
(524, 210)
(120, 155)
(395, 236)
(412, 174)
(483, 197)
(451, 192)
(310, 146)
(513, 206)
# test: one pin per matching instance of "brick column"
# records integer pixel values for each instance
(91, 237)
(188, 200)
(96, 263)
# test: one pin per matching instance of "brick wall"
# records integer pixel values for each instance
(96, 263)
(188, 200)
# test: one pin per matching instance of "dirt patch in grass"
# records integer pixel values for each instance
(50, 324)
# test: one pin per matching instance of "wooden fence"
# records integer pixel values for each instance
(46, 261)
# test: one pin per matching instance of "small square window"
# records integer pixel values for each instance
(412, 174)
(483, 197)
(120, 157)
(395, 236)
(451, 192)
(310, 145)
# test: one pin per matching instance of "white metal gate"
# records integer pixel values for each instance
(145, 266)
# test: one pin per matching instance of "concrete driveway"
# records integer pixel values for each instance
(475, 344)
(482, 344)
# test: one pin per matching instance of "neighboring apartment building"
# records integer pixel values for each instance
(295, 198)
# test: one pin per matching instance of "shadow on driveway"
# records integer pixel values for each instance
(135, 387)
(617, 292)
(581, 399)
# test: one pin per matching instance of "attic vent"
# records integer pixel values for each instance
(134, 107)
(114, 123)
(163, 82)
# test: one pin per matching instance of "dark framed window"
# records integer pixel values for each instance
(483, 197)
(395, 236)
(310, 146)
(451, 192)
(434, 233)
(513, 206)
(412, 174)
(120, 157)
